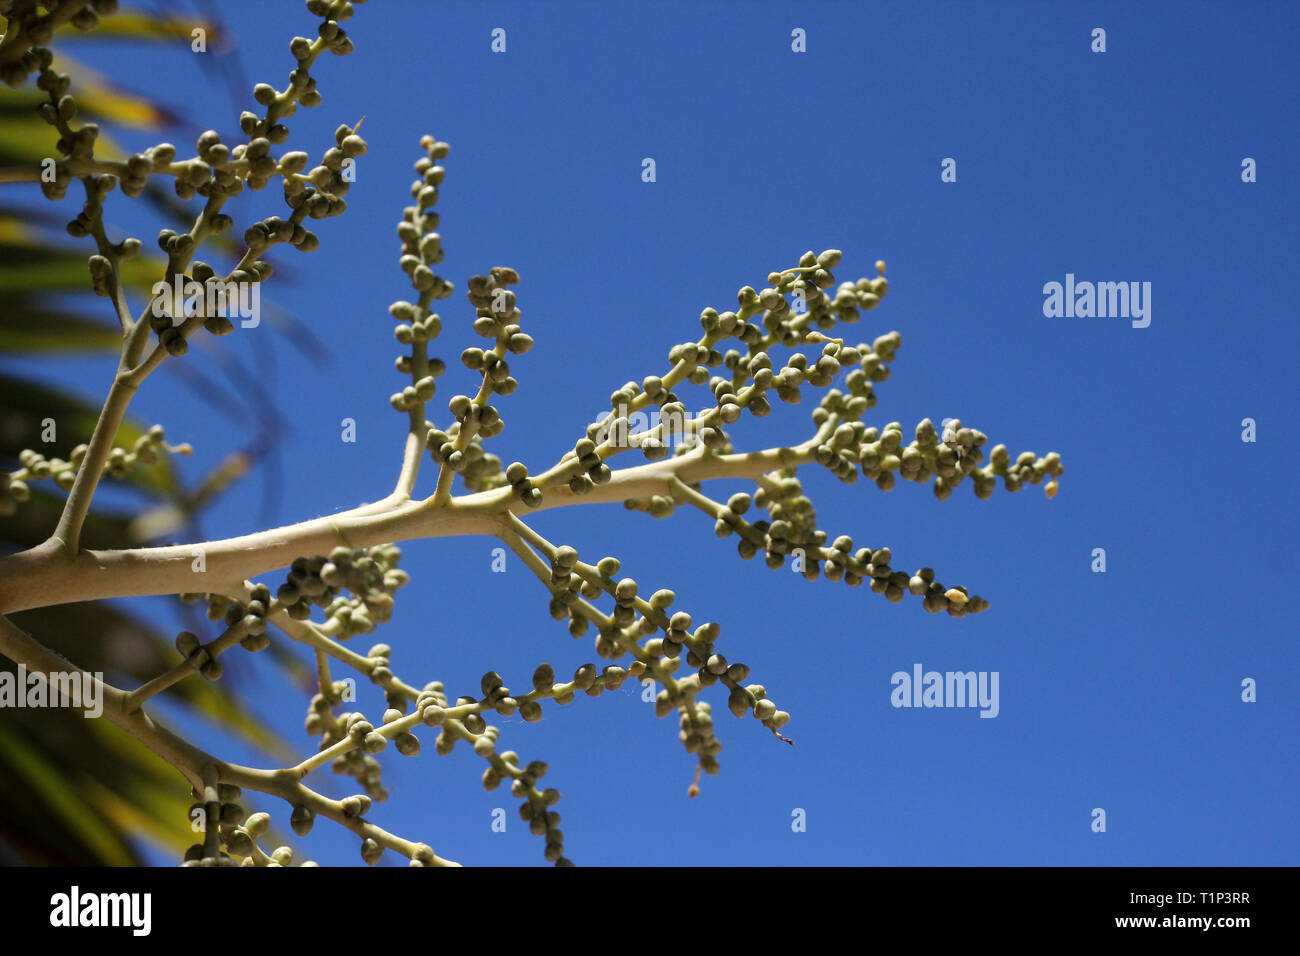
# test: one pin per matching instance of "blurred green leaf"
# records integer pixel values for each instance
(31, 328)
(65, 827)
(139, 25)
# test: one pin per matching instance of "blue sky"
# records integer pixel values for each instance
(1119, 690)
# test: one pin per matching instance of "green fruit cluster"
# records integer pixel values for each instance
(371, 575)
(148, 449)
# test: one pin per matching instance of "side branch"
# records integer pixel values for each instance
(68, 532)
(200, 769)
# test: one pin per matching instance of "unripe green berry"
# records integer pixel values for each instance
(531, 711)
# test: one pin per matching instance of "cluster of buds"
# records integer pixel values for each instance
(535, 810)
(228, 815)
(482, 469)
(478, 468)
(371, 575)
(216, 172)
(593, 470)
(753, 374)
(198, 656)
(29, 29)
(97, 188)
(359, 762)
(431, 704)
(253, 622)
(472, 726)
(418, 325)
(330, 177)
(103, 279)
(161, 319)
(657, 506)
(496, 695)
(241, 843)
(35, 465)
(673, 418)
(792, 528)
(220, 172)
(13, 492)
(237, 832)
(442, 446)
(159, 159)
(198, 176)
(792, 531)
(517, 478)
(421, 244)
(586, 678)
(846, 446)
(955, 600)
(302, 86)
(145, 450)
(808, 284)
(752, 699)
(696, 734)
(784, 325)
(272, 230)
(696, 722)
(246, 621)
(1026, 468)
(57, 112)
(415, 395)
(566, 588)
(421, 250)
(332, 37)
(793, 519)
(497, 319)
(655, 443)
(949, 459)
(660, 655)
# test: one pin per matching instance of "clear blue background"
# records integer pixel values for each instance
(1118, 690)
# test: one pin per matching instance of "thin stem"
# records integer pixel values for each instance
(184, 669)
(68, 532)
(323, 679)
